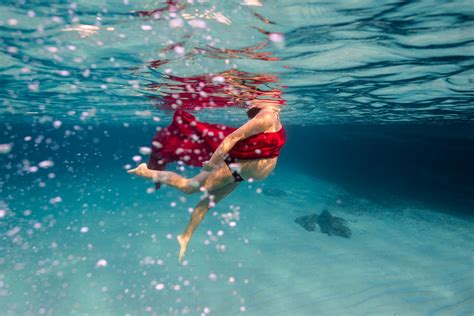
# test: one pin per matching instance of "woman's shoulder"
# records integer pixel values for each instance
(272, 119)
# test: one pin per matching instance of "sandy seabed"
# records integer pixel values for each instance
(400, 260)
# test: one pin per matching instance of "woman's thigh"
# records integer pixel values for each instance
(216, 179)
(217, 195)
(201, 177)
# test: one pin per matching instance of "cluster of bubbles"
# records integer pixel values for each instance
(49, 191)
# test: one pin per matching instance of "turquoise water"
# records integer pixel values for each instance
(379, 119)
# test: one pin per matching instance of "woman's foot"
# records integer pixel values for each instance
(141, 170)
(183, 242)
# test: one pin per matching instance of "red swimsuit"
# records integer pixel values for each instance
(193, 142)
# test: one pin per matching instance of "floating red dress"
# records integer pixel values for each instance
(193, 142)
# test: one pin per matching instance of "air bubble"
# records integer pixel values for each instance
(33, 169)
(276, 37)
(46, 164)
(55, 200)
(175, 23)
(212, 276)
(197, 24)
(5, 148)
(179, 50)
(145, 150)
(57, 124)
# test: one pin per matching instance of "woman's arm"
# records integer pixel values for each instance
(259, 124)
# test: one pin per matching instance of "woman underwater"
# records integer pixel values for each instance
(228, 156)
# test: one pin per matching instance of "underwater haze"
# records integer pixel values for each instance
(377, 101)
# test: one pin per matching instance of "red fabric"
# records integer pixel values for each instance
(203, 91)
(193, 142)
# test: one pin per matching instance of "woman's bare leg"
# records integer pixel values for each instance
(171, 178)
(210, 181)
(200, 211)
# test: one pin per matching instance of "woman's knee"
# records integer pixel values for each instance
(191, 186)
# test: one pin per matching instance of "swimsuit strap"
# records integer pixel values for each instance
(235, 174)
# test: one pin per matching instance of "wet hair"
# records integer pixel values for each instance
(253, 111)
